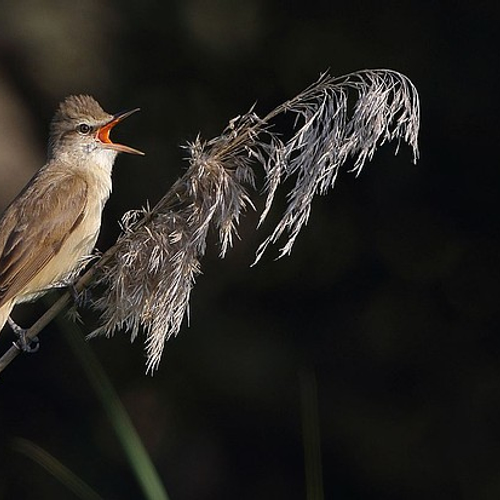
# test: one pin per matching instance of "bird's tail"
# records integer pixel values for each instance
(5, 311)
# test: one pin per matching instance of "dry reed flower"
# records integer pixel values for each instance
(150, 277)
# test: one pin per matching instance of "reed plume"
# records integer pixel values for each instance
(149, 278)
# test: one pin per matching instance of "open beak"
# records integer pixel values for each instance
(103, 133)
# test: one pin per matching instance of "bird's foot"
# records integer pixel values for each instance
(23, 344)
(82, 298)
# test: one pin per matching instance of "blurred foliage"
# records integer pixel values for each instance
(390, 293)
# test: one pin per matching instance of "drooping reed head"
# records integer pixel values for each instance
(150, 278)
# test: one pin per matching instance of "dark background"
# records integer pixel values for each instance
(390, 294)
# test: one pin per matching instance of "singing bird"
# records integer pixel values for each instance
(52, 226)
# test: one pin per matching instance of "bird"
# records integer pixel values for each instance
(49, 230)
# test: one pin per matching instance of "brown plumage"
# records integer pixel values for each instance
(52, 225)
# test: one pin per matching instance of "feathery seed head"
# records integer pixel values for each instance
(153, 271)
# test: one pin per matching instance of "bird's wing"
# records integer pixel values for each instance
(35, 226)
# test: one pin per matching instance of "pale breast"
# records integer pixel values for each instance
(74, 252)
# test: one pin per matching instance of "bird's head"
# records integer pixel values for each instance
(81, 129)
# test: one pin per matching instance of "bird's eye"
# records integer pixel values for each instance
(84, 128)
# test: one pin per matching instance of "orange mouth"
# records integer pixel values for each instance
(103, 134)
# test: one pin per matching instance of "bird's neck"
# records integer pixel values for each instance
(95, 168)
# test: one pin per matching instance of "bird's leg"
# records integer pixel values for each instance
(81, 298)
(22, 343)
